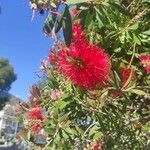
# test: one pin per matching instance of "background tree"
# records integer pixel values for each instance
(7, 75)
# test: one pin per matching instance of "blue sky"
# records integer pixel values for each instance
(22, 42)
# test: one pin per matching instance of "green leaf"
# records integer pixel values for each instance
(67, 27)
(93, 130)
(50, 130)
(134, 26)
(58, 23)
(49, 24)
(117, 50)
(138, 92)
(70, 131)
(104, 93)
(98, 135)
(122, 37)
(99, 17)
(110, 143)
(29, 135)
(116, 79)
(100, 21)
(136, 39)
(129, 35)
(120, 8)
(79, 130)
(65, 96)
(146, 32)
(77, 1)
(62, 104)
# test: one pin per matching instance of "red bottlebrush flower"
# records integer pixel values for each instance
(78, 34)
(36, 128)
(126, 72)
(145, 60)
(74, 12)
(96, 146)
(86, 65)
(147, 68)
(35, 112)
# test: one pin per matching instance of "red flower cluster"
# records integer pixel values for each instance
(145, 60)
(36, 128)
(126, 72)
(85, 64)
(35, 113)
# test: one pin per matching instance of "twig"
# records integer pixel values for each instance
(143, 87)
(88, 129)
(91, 109)
(133, 54)
(133, 20)
(130, 4)
(141, 119)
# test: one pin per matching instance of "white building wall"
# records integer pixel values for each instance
(1, 119)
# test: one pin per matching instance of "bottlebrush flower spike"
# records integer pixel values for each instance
(85, 64)
(78, 33)
(115, 93)
(44, 65)
(74, 12)
(96, 146)
(35, 93)
(35, 113)
(55, 94)
(145, 60)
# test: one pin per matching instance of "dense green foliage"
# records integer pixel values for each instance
(77, 118)
(7, 75)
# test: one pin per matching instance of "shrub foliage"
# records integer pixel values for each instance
(114, 115)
